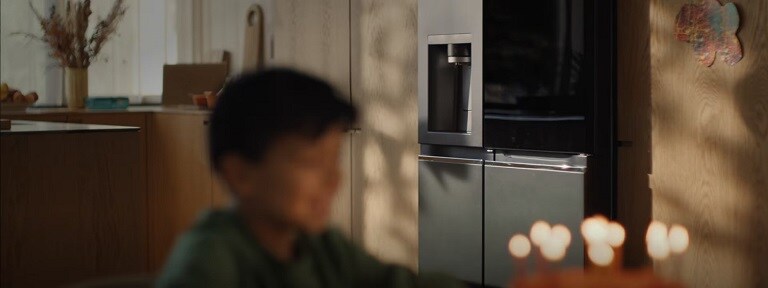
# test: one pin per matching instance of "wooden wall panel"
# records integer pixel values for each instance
(72, 208)
(385, 153)
(634, 126)
(313, 37)
(710, 150)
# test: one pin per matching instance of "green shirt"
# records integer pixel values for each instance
(220, 252)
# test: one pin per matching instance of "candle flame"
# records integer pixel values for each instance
(540, 231)
(616, 234)
(678, 239)
(519, 246)
(601, 254)
(657, 231)
(595, 229)
(562, 233)
(658, 250)
(553, 249)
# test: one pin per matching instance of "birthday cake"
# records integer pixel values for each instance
(604, 240)
(596, 278)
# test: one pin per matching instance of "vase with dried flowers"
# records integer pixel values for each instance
(65, 34)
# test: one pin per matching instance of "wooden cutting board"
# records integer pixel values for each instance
(181, 80)
(253, 42)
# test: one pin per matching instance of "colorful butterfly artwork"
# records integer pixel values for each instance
(711, 29)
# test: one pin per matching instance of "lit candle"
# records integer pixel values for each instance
(678, 243)
(520, 248)
(553, 249)
(657, 241)
(657, 231)
(616, 237)
(678, 239)
(594, 230)
(540, 231)
(616, 234)
(600, 254)
(561, 233)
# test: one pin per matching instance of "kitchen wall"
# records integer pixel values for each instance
(709, 148)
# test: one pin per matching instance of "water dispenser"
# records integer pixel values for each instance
(449, 70)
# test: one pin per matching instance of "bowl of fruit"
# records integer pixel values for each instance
(14, 100)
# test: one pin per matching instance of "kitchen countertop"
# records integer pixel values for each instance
(35, 127)
(181, 109)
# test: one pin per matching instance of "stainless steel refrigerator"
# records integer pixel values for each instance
(516, 119)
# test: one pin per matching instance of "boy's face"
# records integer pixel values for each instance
(294, 184)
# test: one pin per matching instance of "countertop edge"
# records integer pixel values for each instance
(24, 127)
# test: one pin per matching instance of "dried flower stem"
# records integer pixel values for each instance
(65, 34)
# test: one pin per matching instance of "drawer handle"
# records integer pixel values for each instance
(450, 160)
(562, 168)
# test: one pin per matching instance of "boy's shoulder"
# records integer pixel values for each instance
(223, 232)
(225, 227)
(213, 248)
(218, 220)
(215, 228)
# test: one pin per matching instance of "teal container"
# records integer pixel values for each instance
(107, 103)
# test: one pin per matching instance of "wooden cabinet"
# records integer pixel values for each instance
(120, 118)
(71, 207)
(180, 179)
(132, 119)
(173, 174)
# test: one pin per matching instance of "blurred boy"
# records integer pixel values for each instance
(275, 139)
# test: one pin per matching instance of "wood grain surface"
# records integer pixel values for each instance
(710, 150)
(634, 126)
(385, 153)
(180, 185)
(72, 208)
(313, 37)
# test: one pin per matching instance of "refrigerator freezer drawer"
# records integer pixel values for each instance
(515, 197)
(450, 216)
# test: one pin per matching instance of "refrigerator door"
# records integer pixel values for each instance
(440, 23)
(450, 216)
(522, 189)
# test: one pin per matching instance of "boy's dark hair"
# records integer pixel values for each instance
(257, 108)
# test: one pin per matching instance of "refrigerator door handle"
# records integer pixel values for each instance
(450, 160)
(560, 168)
